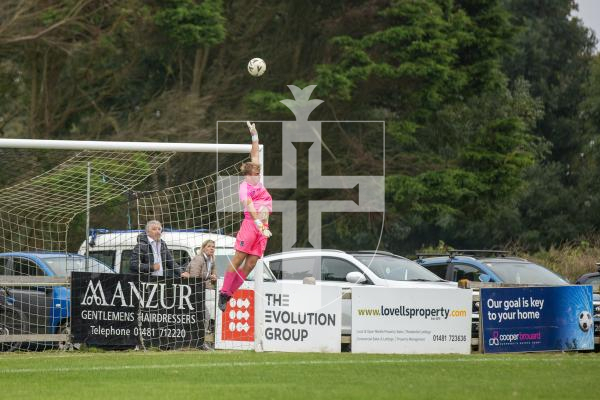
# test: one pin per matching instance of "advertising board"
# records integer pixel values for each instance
(537, 319)
(411, 321)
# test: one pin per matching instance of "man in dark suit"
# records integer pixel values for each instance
(151, 254)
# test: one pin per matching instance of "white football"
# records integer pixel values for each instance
(257, 67)
(585, 321)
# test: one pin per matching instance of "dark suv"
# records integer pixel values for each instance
(590, 278)
(488, 266)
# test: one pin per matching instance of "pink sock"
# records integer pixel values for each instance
(240, 277)
(228, 282)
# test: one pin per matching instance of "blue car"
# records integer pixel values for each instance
(45, 309)
(489, 266)
(11, 321)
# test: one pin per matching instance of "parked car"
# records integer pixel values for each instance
(593, 278)
(489, 266)
(346, 269)
(590, 278)
(11, 320)
(43, 309)
(114, 248)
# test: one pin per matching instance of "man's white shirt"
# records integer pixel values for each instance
(157, 259)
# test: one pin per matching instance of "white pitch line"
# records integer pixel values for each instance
(285, 363)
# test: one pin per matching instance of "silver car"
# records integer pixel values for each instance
(348, 269)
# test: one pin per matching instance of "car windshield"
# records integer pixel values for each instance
(267, 274)
(396, 269)
(525, 273)
(592, 280)
(62, 266)
(222, 262)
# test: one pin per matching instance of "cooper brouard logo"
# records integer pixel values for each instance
(509, 338)
(149, 295)
(494, 340)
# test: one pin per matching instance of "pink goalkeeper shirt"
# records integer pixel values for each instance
(260, 198)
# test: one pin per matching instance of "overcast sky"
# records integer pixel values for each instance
(589, 12)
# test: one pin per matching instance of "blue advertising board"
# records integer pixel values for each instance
(537, 319)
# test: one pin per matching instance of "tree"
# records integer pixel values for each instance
(60, 51)
(29, 20)
(553, 52)
(468, 194)
(461, 134)
(193, 26)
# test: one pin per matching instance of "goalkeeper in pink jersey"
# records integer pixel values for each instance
(251, 239)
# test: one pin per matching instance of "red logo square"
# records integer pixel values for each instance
(237, 321)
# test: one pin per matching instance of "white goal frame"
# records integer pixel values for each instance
(158, 147)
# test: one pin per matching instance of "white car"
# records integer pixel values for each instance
(338, 268)
(114, 248)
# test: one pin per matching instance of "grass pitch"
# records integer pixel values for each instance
(244, 375)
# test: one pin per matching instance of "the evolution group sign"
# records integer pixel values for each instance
(296, 318)
(122, 310)
(302, 318)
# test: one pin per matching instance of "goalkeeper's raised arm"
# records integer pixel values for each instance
(251, 240)
(254, 151)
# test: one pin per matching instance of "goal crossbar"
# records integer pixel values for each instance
(124, 146)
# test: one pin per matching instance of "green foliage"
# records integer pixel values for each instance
(406, 66)
(560, 201)
(478, 152)
(52, 16)
(191, 24)
(266, 101)
(552, 212)
(590, 104)
(12, 91)
(548, 36)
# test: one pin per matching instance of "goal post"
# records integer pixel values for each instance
(35, 214)
(124, 146)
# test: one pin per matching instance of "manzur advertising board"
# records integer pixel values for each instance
(411, 321)
(118, 310)
(302, 318)
(537, 319)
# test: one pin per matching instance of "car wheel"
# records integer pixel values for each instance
(65, 329)
(10, 324)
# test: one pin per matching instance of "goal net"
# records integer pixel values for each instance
(43, 243)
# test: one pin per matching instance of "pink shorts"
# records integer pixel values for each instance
(249, 240)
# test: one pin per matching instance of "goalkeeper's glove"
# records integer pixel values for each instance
(263, 228)
(253, 131)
